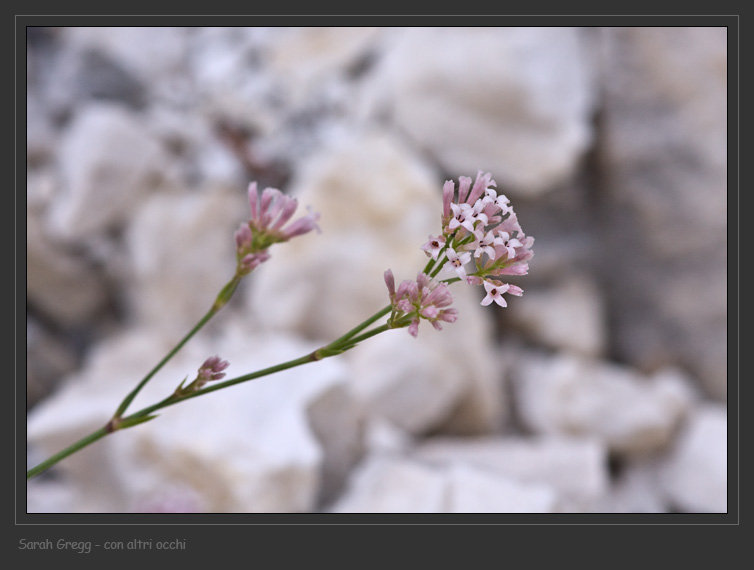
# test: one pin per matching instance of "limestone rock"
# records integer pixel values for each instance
(61, 283)
(567, 394)
(180, 253)
(695, 473)
(249, 448)
(637, 489)
(472, 490)
(567, 316)
(108, 163)
(513, 101)
(574, 469)
(390, 484)
(665, 214)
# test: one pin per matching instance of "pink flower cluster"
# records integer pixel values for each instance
(480, 227)
(211, 369)
(269, 214)
(424, 298)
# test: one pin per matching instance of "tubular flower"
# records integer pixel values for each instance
(480, 226)
(211, 369)
(270, 212)
(424, 298)
(433, 246)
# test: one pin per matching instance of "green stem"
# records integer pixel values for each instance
(358, 328)
(225, 294)
(356, 340)
(341, 344)
(128, 399)
(70, 450)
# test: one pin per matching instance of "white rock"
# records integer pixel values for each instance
(568, 316)
(665, 143)
(41, 138)
(383, 483)
(378, 203)
(230, 80)
(637, 490)
(303, 59)
(513, 101)
(472, 490)
(406, 380)
(85, 402)
(574, 469)
(249, 448)
(445, 380)
(389, 484)
(568, 394)
(181, 252)
(148, 51)
(60, 283)
(338, 421)
(695, 473)
(49, 357)
(49, 497)
(108, 162)
(381, 435)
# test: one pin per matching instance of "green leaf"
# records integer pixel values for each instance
(328, 352)
(131, 422)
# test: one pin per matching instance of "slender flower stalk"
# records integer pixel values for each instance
(481, 240)
(253, 239)
(212, 371)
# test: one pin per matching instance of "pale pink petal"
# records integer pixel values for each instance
(253, 200)
(447, 197)
(413, 328)
(464, 183)
(243, 236)
(515, 290)
(390, 282)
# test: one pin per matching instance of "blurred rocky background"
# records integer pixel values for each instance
(602, 389)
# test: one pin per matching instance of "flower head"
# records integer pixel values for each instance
(211, 369)
(424, 298)
(270, 212)
(479, 226)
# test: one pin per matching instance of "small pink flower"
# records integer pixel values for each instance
(424, 298)
(413, 328)
(462, 217)
(464, 184)
(517, 269)
(272, 210)
(481, 185)
(515, 290)
(457, 262)
(243, 237)
(253, 260)
(390, 282)
(447, 197)
(433, 246)
(495, 292)
(212, 369)
(484, 244)
(507, 243)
